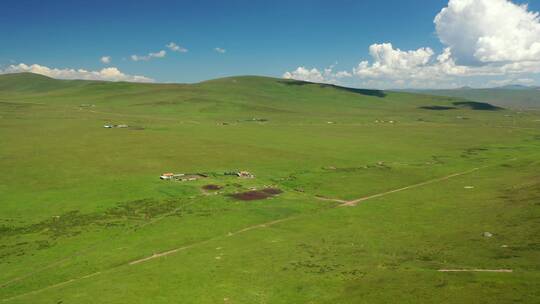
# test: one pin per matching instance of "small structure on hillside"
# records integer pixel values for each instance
(182, 177)
(190, 177)
(245, 174)
(115, 126)
(241, 174)
(166, 176)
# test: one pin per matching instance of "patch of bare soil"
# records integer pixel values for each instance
(256, 194)
(212, 187)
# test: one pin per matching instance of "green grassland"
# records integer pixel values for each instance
(510, 97)
(84, 217)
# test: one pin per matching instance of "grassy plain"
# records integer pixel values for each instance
(84, 217)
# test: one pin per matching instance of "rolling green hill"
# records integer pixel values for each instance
(359, 196)
(517, 97)
(34, 83)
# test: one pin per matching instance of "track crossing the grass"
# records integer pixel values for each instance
(341, 203)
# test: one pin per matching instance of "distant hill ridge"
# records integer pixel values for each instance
(510, 96)
(30, 82)
(239, 93)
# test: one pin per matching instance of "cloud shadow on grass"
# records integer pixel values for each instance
(374, 93)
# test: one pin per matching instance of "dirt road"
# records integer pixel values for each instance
(250, 228)
(359, 200)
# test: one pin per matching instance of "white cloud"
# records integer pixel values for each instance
(314, 75)
(390, 67)
(422, 68)
(391, 62)
(159, 54)
(483, 31)
(343, 74)
(107, 74)
(105, 59)
(220, 50)
(304, 74)
(176, 48)
(484, 39)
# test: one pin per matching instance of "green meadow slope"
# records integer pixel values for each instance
(511, 97)
(378, 192)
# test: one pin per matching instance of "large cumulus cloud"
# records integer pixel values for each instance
(482, 38)
(484, 31)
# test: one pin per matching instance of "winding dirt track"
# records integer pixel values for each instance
(475, 270)
(87, 249)
(263, 225)
(359, 200)
(326, 199)
(152, 257)
(172, 251)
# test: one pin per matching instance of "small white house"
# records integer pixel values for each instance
(166, 176)
(245, 174)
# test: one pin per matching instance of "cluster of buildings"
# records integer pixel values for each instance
(182, 176)
(195, 176)
(242, 174)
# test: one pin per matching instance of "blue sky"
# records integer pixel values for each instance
(259, 37)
